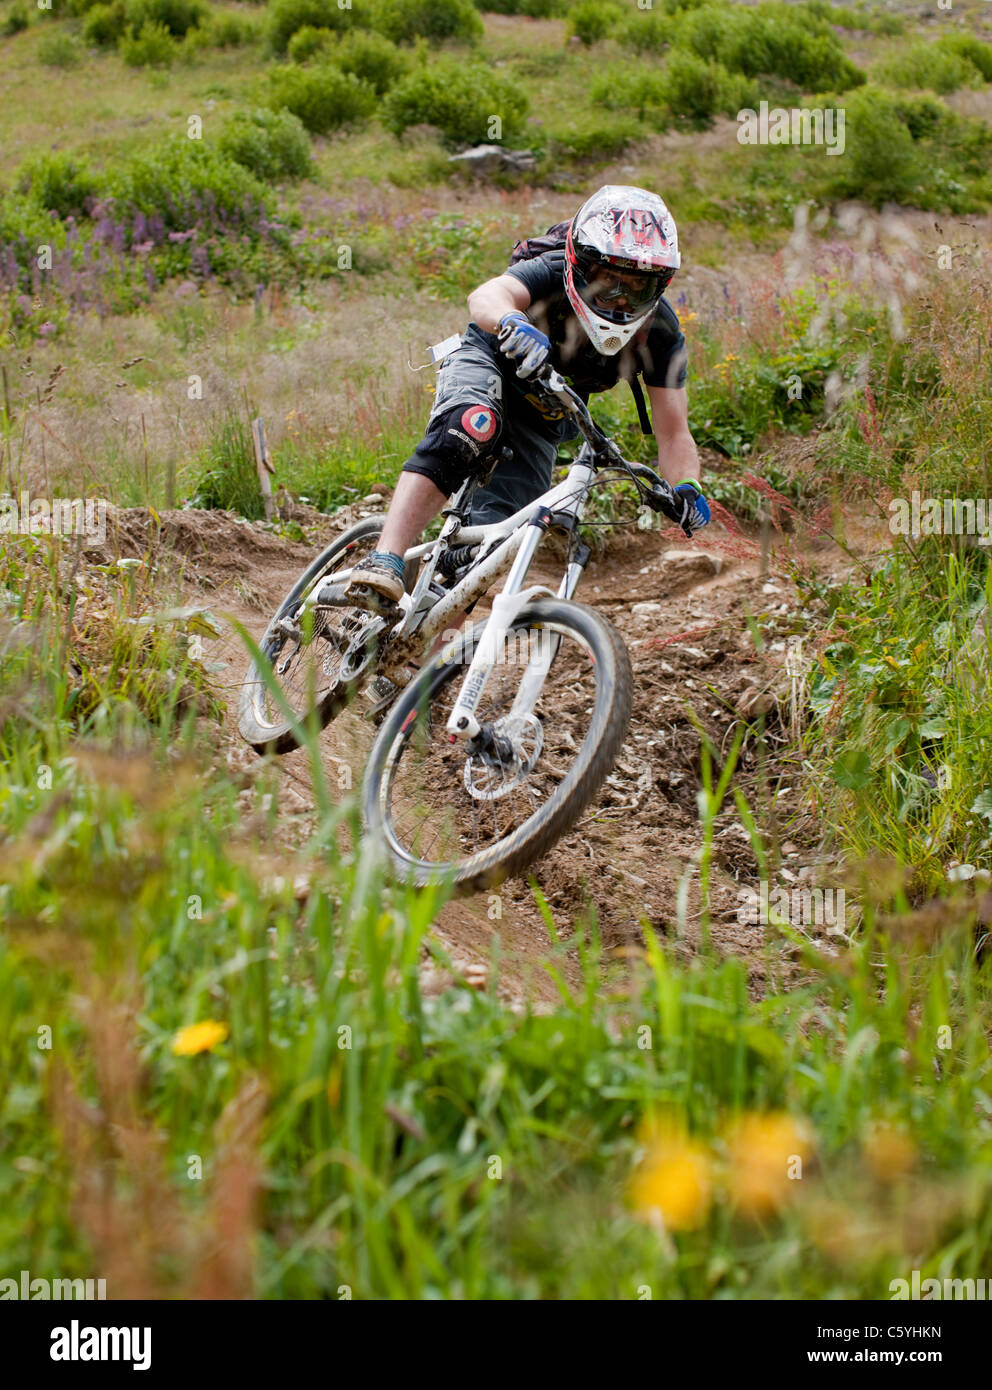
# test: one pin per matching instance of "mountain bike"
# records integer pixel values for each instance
(491, 750)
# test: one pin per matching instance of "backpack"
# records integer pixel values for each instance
(554, 240)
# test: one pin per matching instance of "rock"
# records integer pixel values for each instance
(693, 562)
(374, 499)
(646, 610)
(290, 801)
(487, 159)
(755, 702)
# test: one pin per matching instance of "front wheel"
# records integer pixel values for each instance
(474, 813)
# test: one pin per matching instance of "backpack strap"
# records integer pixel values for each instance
(639, 401)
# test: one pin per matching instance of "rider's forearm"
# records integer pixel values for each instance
(491, 302)
(678, 459)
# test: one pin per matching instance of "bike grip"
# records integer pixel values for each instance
(661, 498)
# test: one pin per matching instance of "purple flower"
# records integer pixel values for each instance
(46, 329)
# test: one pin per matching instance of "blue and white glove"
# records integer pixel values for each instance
(522, 341)
(695, 508)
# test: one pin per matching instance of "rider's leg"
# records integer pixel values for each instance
(416, 501)
(526, 474)
(462, 433)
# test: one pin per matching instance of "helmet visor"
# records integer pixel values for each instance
(617, 294)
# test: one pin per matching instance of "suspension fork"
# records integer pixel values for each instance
(462, 722)
(532, 681)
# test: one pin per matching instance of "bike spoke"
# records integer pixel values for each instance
(448, 803)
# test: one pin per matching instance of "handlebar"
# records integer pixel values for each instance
(658, 495)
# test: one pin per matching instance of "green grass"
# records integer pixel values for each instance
(367, 1139)
(358, 1131)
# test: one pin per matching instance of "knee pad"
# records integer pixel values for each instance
(463, 435)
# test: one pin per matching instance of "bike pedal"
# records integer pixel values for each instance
(371, 600)
(379, 689)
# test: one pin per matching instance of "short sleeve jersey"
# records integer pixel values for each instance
(657, 353)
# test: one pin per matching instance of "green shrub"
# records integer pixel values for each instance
(696, 90)
(638, 90)
(930, 66)
(152, 47)
(587, 135)
(460, 99)
(308, 41)
(185, 183)
(972, 49)
(175, 16)
(773, 39)
(227, 30)
(17, 20)
(646, 31)
(59, 50)
(104, 25)
(287, 17)
(323, 96)
(880, 160)
(60, 183)
(372, 57)
(406, 20)
(845, 18)
(591, 20)
(271, 144)
(921, 115)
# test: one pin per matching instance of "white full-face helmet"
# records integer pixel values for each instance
(621, 251)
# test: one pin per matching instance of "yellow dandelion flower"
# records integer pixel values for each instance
(767, 1153)
(889, 1152)
(199, 1037)
(673, 1182)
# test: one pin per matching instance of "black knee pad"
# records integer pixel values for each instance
(463, 436)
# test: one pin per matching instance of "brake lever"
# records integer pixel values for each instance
(660, 497)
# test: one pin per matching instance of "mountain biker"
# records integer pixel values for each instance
(596, 309)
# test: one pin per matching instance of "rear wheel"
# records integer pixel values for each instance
(473, 813)
(320, 664)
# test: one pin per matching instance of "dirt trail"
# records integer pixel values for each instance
(683, 612)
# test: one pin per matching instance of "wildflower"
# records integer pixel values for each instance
(673, 1182)
(889, 1152)
(199, 1037)
(766, 1154)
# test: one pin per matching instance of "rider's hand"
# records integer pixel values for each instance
(695, 508)
(523, 342)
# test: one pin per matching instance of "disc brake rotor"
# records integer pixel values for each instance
(486, 777)
(362, 649)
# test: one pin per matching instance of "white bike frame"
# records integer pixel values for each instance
(507, 545)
